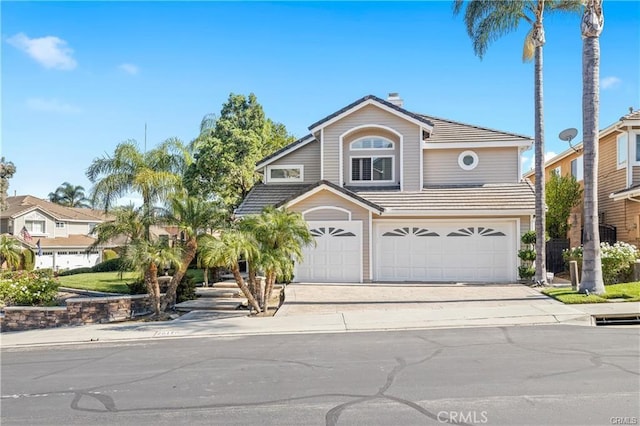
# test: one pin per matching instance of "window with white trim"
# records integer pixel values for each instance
(468, 160)
(374, 168)
(34, 226)
(577, 168)
(371, 143)
(556, 171)
(623, 148)
(638, 147)
(60, 225)
(285, 173)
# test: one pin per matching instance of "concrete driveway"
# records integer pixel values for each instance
(304, 298)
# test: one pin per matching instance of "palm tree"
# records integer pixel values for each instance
(281, 235)
(10, 250)
(147, 257)
(193, 216)
(226, 250)
(70, 196)
(487, 21)
(127, 223)
(153, 174)
(592, 23)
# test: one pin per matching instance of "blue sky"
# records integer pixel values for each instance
(80, 77)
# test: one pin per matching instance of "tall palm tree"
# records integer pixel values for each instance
(70, 196)
(153, 174)
(194, 217)
(592, 24)
(226, 250)
(281, 235)
(10, 250)
(487, 21)
(147, 257)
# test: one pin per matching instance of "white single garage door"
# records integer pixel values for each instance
(461, 251)
(337, 255)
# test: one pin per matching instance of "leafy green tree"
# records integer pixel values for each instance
(10, 252)
(563, 193)
(153, 174)
(592, 24)
(229, 147)
(226, 250)
(70, 196)
(486, 22)
(193, 216)
(7, 170)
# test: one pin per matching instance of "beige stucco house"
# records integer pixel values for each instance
(394, 196)
(618, 178)
(63, 232)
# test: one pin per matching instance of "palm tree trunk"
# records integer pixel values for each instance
(540, 225)
(188, 256)
(235, 270)
(271, 277)
(591, 262)
(206, 277)
(151, 281)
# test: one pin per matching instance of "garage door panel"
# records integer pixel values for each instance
(337, 255)
(469, 250)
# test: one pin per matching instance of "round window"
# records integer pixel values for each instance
(468, 160)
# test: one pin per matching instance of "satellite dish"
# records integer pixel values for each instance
(567, 135)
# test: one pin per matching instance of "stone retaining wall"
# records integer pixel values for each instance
(78, 311)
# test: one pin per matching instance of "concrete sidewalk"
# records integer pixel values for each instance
(529, 308)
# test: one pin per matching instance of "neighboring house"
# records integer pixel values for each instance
(63, 232)
(618, 179)
(391, 195)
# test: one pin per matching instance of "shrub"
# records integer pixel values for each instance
(75, 271)
(617, 260)
(186, 289)
(108, 254)
(112, 265)
(27, 260)
(137, 287)
(28, 287)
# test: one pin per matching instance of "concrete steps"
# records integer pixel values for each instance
(223, 297)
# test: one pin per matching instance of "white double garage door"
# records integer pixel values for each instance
(419, 250)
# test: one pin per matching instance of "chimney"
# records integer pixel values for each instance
(395, 99)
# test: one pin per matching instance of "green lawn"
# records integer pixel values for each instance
(630, 292)
(110, 282)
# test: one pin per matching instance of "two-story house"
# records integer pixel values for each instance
(63, 233)
(391, 195)
(618, 179)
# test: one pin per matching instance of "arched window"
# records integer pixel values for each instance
(370, 142)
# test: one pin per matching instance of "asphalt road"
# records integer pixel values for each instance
(498, 376)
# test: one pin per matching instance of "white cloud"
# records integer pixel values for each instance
(549, 155)
(49, 51)
(52, 105)
(610, 82)
(129, 68)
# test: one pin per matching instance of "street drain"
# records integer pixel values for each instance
(617, 319)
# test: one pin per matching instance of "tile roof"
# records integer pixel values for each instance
(415, 116)
(72, 241)
(445, 130)
(262, 195)
(495, 197)
(21, 204)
